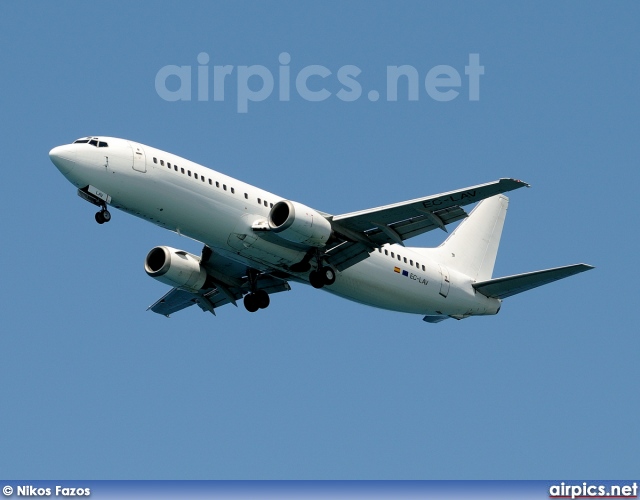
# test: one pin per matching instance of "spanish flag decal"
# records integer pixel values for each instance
(396, 269)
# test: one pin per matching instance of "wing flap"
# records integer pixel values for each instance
(418, 225)
(271, 284)
(347, 254)
(173, 301)
(500, 288)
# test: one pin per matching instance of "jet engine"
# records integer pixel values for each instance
(299, 223)
(175, 268)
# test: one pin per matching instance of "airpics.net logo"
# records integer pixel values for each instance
(313, 83)
(588, 490)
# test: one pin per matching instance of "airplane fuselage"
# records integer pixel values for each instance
(228, 215)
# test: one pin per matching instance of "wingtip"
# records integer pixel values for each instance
(517, 181)
(522, 183)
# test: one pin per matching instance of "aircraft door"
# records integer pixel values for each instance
(139, 160)
(445, 282)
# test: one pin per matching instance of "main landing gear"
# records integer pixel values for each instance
(322, 275)
(103, 216)
(255, 299)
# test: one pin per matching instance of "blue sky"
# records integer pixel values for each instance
(316, 387)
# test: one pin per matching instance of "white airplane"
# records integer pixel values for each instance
(255, 242)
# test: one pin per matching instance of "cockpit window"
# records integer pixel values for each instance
(94, 141)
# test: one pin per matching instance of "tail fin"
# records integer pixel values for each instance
(473, 246)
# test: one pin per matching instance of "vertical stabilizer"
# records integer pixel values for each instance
(472, 248)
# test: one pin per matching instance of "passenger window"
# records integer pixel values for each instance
(423, 267)
(182, 170)
(210, 183)
(155, 160)
(259, 201)
(202, 178)
(175, 167)
(217, 184)
(399, 258)
(224, 186)
(246, 196)
(265, 203)
(405, 259)
(168, 164)
(195, 175)
(417, 265)
(162, 162)
(189, 173)
(270, 205)
(386, 252)
(392, 255)
(233, 191)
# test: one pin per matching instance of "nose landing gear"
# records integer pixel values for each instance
(99, 199)
(103, 216)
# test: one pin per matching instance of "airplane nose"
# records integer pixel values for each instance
(63, 157)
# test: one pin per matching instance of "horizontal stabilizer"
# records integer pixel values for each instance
(500, 288)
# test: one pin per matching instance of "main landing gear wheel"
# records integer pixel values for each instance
(324, 276)
(328, 275)
(103, 216)
(315, 278)
(251, 303)
(263, 299)
(255, 301)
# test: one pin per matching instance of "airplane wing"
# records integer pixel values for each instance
(175, 300)
(361, 232)
(500, 288)
(229, 282)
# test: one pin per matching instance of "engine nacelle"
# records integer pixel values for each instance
(299, 223)
(175, 268)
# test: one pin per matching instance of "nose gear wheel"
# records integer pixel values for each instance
(103, 216)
